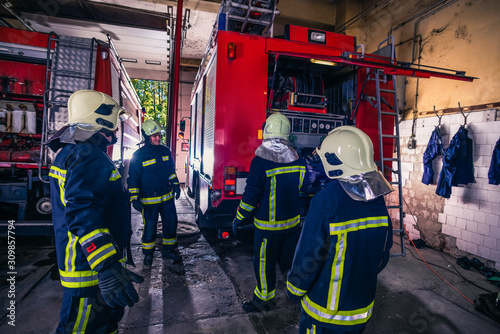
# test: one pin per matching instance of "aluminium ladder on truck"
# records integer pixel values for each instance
(249, 16)
(70, 67)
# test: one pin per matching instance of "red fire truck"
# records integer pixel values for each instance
(318, 79)
(39, 72)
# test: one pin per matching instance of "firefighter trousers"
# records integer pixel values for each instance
(88, 315)
(168, 216)
(271, 248)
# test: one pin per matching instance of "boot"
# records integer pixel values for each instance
(250, 307)
(173, 255)
(148, 259)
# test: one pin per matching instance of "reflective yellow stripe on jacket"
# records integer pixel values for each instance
(276, 225)
(336, 317)
(60, 175)
(272, 191)
(157, 199)
(78, 279)
(331, 314)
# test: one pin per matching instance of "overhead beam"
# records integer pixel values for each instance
(209, 6)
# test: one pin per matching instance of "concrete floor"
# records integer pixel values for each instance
(203, 294)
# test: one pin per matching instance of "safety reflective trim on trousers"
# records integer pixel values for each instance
(60, 175)
(336, 317)
(70, 254)
(173, 176)
(283, 170)
(337, 272)
(246, 206)
(148, 245)
(97, 233)
(263, 292)
(115, 176)
(311, 330)
(265, 297)
(133, 198)
(101, 254)
(165, 157)
(83, 316)
(78, 279)
(148, 162)
(157, 200)
(294, 290)
(359, 224)
(172, 241)
(276, 225)
(133, 190)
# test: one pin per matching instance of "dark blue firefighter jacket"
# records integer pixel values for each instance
(458, 165)
(272, 194)
(90, 213)
(434, 148)
(343, 245)
(494, 171)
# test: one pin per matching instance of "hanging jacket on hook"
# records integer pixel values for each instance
(434, 148)
(458, 167)
(494, 171)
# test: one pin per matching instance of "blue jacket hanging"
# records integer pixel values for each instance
(458, 166)
(494, 171)
(434, 148)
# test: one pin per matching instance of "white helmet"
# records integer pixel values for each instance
(92, 110)
(150, 127)
(347, 155)
(346, 151)
(277, 126)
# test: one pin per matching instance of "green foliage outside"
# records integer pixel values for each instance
(153, 96)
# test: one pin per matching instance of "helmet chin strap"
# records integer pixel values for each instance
(110, 136)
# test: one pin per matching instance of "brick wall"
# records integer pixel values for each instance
(468, 223)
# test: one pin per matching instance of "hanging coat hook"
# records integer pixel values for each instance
(439, 117)
(465, 116)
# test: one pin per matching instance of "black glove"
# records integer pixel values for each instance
(137, 205)
(116, 288)
(133, 277)
(177, 192)
(236, 225)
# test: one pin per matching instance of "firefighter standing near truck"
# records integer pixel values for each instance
(271, 197)
(91, 217)
(345, 240)
(152, 186)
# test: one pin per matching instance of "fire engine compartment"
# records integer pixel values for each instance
(316, 96)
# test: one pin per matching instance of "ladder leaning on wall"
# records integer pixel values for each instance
(385, 102)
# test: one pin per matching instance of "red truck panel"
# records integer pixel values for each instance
(241, 104)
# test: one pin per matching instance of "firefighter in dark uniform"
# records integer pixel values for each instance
(152, 186)
(345, 240)
(271, 197)
(91, 217)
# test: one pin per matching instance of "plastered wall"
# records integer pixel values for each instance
(460, 35)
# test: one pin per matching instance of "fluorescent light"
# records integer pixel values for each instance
(128, 60)
(323, 62)
(153, 62)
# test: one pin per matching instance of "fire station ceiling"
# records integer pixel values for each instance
(139, 29)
